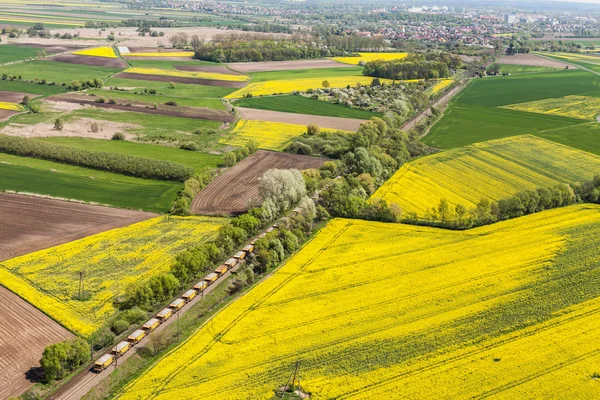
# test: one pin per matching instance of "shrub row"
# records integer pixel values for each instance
(112, 162)
(191, 187)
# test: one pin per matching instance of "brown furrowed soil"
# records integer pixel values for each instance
(24, 333)
(533, 60)
(287, 65)
(236, 190)
(15, 97)
(6, 114)
(344, 124)
(219, 69)
(148, 108)
(33, 223)
(177, 79)
(89, 60)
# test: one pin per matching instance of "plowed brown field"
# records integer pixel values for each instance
(32, 223)
(89, 60)
(177, 79)
(24, 333)
(236, 190)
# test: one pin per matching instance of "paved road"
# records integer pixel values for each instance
(77, 387)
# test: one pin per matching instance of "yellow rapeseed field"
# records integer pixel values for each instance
(111, 260)
(268, 135)
(4, 105)
(189, 74)
(289, 85)
(375, 311)
(491, 170)
(366, 57)
(441, 85)
(106, 52)
(581, 107)
(162, 54)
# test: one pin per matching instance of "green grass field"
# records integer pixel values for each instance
(473, 116)
(10, 52)
(523, 69)
(180, 90)
(305, 74)
(56, 71)
(304, 105)
(161, 98)
(193, 159)
(584, 136)
(33, 88)
(64, 181)
(165, 64)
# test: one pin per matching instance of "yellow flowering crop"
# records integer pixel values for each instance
(268, 135)
(289, 85)
(33, 21)
(189, 74)
(581, 107)
(4, 105)
(162, 54)
(49, 279)
(441, 85)
(491, 170)
(373, 310)
(366, 57)
(106, 52)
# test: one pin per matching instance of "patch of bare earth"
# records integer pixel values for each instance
(177, 79)
(6, 114)
(78, 127)
(58, 45)
(534, 61)
(15, 97)
(236, 190)
(219, 69)
(24, 333)
(89, 60)
(287, 65)
(345, 124)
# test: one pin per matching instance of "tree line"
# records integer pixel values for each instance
(414, 66)
(112, 162)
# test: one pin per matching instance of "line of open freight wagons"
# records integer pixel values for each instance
(122, 347)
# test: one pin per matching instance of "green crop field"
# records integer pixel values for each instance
(9, 53)
(57, 71)
(180, 90)
(193, 159)
(524, 69)
(304, 105)
(474, 115)
(160, 98)
(33, 88)
(582, 136)
(64, 181)
(305, 74)
(163, 64)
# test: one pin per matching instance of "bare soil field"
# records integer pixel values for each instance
(51, 48)
(33, 223)
(15, 97)
(177, 79)
(24, 333)
(79, 127)
(287, 65)
(533, 60)
(469, 59)
(89, 60)
(148, 108)
(345, 124)
(219, 69)
(236, 190)
(6, 114)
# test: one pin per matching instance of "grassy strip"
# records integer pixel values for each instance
(161, 98)
(180, 89)
(57, 71)
(10, 53)
(305, 74)
(31, 88)
(304, 105)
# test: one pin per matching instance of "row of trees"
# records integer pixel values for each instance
(522, 203)
(112, 162)
(414, 66)
(59, 359)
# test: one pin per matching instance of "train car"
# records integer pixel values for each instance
(253, 242)
(200, 286)
(262, 235)
(232, 262)
(189, 295)
(121, 348)
(248, 249)
(164, 314)
(221, 269)
(136, 336)
(211, 278)
(270, 229)
(275, 226)
(103, 362)
(177, 304)
(240, 255)
(151, 325)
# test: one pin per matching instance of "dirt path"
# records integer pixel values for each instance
(345, 124)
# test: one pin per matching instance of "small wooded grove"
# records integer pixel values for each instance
(59, 359)
(414, 66)
(123, 164)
